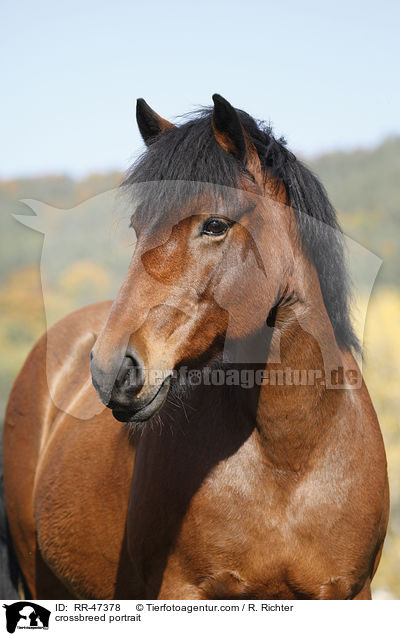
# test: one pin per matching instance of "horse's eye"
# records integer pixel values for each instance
(215, 227)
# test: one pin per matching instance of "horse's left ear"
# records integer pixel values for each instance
(233, 138)
(149, 122)
(228, 130)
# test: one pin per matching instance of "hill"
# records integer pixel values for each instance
(364, 186)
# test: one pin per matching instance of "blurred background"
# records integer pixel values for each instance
(323, 74)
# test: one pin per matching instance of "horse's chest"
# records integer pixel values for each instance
(235, 546)
(251, 542)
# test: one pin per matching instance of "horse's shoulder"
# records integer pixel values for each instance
(89, 317)
(58, 365)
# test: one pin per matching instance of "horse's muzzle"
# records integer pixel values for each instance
(142, 412)
(122, 392)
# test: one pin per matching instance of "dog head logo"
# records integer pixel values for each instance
(76, 272)
(26, 615)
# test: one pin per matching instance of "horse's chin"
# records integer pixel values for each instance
(148, 410)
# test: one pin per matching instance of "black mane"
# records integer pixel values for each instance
(190, 153)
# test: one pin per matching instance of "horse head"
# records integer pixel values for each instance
(200, 275)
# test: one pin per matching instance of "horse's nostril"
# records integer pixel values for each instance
(127, 372)
(130, 378)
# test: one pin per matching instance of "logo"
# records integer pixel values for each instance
(77, 272)
(26, 615)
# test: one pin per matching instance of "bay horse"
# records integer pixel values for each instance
(212, 488)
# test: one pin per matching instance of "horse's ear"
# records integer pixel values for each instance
(228, 130)
(233, 138)
(150, 124)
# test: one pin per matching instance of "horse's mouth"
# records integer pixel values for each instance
(148, 410)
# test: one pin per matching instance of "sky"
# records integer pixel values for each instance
(325, 74)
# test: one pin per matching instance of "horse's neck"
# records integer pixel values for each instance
(295, 407)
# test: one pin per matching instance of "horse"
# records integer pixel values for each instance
(10, 575)
(236, 453)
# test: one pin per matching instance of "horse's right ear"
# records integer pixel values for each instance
(150, 124)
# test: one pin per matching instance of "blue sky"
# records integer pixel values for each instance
(326, 74)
